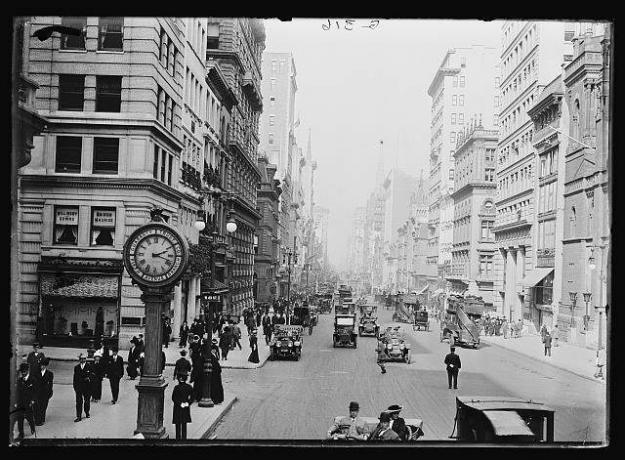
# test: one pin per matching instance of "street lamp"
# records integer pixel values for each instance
(573, 299)
(587, 297)
(599, 308)
(205, 352)
(287, 255)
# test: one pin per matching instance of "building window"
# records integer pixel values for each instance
(486, 265)
(461, 100)
(463, 61)
(71, 92)
(453, 118)
(455, 81)
(108, 96)
(272, 101)
(212, 36)
(487, 230)
(270, 138)
(454, 100)
(489, 174)
(105, 155)
(170, 168)
(111, 34)
(452, 137)
(74, 42)
(102, 226)
(461, 81)
(272, 120)
(461, 118)
(544, 291)
(155, 165)
(68, 154)
(162, 47)
(66, 225)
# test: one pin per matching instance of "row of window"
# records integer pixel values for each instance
(512, 213)
(165, 109)
(69, 154)
(515, 182)
(167, 53)
(110, 33)
(547, 234)
(108, 93)
(520, 146)
(457, 100)
(458, 81)
(525, 77)
(66, 220)
(163, 165)
(547, 197)
(517, 54)
(460, 118)
(516, 117)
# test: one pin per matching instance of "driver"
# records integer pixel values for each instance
(354, 425)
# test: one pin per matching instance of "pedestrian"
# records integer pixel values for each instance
(132, 367)
(258, 315)
(166, 330)
(34, 360)
(253, 358)
(266, 323)
(44, 389)
(216, 386)
(250, 323)
(163, 361)
(140, 344)
(183, 366)
(24, 394)
(452, 360)
(555, 335)
(225, 342)
(382, 355)
(349, 427)
(182, 396)
(114, 373)
(197, 371)
(98, 375)
(519, 328)
(236, 335)
(383, 431)
(547, 342)
(184, 333)
(543, 332)
(504, 328)
(82, 383)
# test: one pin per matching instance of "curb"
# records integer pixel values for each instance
(212, 425)
(592, 379)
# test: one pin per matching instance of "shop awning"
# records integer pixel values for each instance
(535, 276)
(212, 286)
(79, 286)
(423, 290)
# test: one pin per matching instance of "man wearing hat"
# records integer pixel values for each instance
(183, 366)
(133, 359)
(24, 394)
(351, 427)
(182, 396)
(452, 360)
(114, 373)
(397, 424)
(44, 392)
(383, 431)
(34, 360)
(82, 383)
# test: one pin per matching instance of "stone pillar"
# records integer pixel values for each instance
(520, 271)
(178, 319)
(509, 287)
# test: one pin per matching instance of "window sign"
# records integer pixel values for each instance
(66, 225)
(104, 218)
(67, 216)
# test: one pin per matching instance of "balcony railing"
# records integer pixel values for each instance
(191, 177)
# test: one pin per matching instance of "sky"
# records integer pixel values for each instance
(357, 87)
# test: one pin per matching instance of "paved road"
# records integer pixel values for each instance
(297, 400)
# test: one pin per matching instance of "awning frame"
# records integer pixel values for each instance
(534, 277)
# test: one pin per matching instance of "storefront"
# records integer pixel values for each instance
(539, 284)
(79, 301)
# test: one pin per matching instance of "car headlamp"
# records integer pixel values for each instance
(278, 344)
(297, 344)
(290, 344)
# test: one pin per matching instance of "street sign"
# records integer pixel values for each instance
(211, 297)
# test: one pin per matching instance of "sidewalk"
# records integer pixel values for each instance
(580, 361)
(237, 359)
(120, 420)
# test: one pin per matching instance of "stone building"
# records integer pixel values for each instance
(236, 44)
(587, 211)
(474, 214)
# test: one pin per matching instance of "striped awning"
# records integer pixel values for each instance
(79, 286)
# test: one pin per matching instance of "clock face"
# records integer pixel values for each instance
(155, 254)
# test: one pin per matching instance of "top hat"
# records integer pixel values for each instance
(354, 406)
(24, 367)
(394, 408)
(385, 417)
(36, 344)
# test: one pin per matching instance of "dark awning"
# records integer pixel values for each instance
(212, 286)
(79, 286)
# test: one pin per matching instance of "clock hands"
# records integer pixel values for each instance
(158, 254)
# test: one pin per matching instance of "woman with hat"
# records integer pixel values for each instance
(182, 396)
(397, 424)
(253, 358)
(216, 389)
(383, 431)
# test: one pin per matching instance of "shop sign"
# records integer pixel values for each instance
(211, 297)
(67, 216)
(104, 218)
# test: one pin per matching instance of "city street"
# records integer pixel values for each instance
(298, 400)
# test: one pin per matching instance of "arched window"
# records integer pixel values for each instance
(572, 218)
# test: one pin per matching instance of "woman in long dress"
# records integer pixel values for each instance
(217, 389)
(253, 358)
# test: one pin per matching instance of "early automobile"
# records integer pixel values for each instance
(461, 323)
(369, 321)
(392, 346)
(302, 317)
(414, 426)
(314, 314)
(344, 331)
(421, 320)
(286, 342)
(500, 419)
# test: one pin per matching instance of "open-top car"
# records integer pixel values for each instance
(302, 317)
(392, 346)
(414, 427)
(344, 331)
(368, 321)
(286, 342)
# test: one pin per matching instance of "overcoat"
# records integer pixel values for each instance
(183, 392)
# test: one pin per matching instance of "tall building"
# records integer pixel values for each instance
(586, 243)
(321, 217)
(237, 44)
(464, 86)
(418, 231)
(532, 54)
(374, 227)
(472, 269)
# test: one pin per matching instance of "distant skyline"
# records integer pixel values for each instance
(357, 87)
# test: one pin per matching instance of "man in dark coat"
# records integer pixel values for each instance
(217, 389)
(166, 331)
(266, 322)
(383, 431)
(99, 369)
(225, 341)
(184, 333)
(115, 372)
(197, 372)
(24, 402)
(34, 360)
(183, 366)
(397, 424)
(452, 360)
(182, 396)
(133, 360)
(83, 378)
(44, 389)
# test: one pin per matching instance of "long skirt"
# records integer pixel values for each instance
(253, 358)
(217, 389)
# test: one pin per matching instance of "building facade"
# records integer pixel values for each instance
(474, 214)
(532, 54)
(587, 218)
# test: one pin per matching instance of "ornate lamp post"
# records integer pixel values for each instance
(206, 400)
(287, 255)
(573, 299)
(587, 297)
(599, 308)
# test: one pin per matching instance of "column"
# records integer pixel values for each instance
(178, 319)
(509, 285)
(520, 271)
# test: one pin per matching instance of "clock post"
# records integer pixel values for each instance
(156, 257)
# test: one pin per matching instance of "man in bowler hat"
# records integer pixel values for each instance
(44, 392)
(350, 427)
(24, 395)
(383, 431)
(452, 360)
(114, 373)
(82, 383)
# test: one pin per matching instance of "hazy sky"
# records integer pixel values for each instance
(357, 87)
